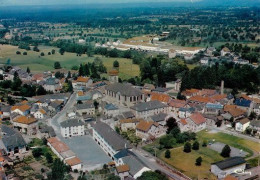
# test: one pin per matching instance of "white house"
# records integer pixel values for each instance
(196, 122)
(82, 83)
(74, 163)
(72, 127)
(224, 51)
(40, 114)
(228, 166)
(85, 109)
(111, 110)
(149, 130)
(108, 139)
(242, 124)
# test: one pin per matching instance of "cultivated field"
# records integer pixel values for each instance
(39, 63)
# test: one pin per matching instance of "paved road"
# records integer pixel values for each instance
(150, 161)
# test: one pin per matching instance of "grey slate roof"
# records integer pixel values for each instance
(110, 136)
(11, 138)
(128, 114)
(145, 106)
(134, 164)
(84, 106)
(71, 123)
(230, 162)
(255, 123)
(124, 89)
(159, 117)
(111, 107)
(51, 81)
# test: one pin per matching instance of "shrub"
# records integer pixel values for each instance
(225, 151)
(196, 145)
(167, 154)
(198, 161)
(187, 147)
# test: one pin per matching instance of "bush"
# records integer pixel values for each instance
(187, 147)
(196, 145)
(18, 52)
(167, 154)
(25, 53)
(42, 53)
(198, 161)
(204, 143)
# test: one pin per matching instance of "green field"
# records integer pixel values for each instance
(185, 162)
(39, 63)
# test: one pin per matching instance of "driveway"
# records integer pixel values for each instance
(217, 146)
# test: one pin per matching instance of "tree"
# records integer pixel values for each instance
(37, 152)
(198, 161)
(62, 51)
(57, 65)
(150, 175)
(116, 64)
(58, 170)
(112, 177)
(171, 123)
(49, 53)
(225, 151)
(42, 53)
(69, 75)
(10, 100)
(35, 48)
(187, 147)
(18, 52)
(167, 154)
(196, 145)
(53, 51)
(96, 104)
(41, 91)
(28, 70)
(25, 53)
(48, 157)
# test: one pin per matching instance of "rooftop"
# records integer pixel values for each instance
(122, 168)
(197, 118)
(124, 89)
(71, 123)
(25, 120)
(110, 136)
(145, 125)
(146, 106)
(73, 161)
(230, 162)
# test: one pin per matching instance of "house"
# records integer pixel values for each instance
(60, 149)
(228, 166)
(54, 107)
(255, 125)
(164, 98)
(126, 124)
(136, 166)
(196, 122)
(190, 92)
(146, 109)
(234, 111)
(22, 109)
(128, 115)
(52, 84)
(113, 76)
(185, 112)
(122, 171)
(72, 127)
(82, 83)
(212, 108)
(176, 85)
(210, 51)
(12, 141)
(183, 125)
(176, 104)
(26, 124)
(224, 51)
(124, 94)
(172, 53)
(111, 110)
(74, 163)
(108, 139)
(149, 130)
(85, 109)
(159, 118)
(5, 112)
(200, 99)
(40, 114)
(204, 61)
(242, 124)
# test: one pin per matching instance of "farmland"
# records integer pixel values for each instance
(38, 63)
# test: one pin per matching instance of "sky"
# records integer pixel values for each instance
(52, 2)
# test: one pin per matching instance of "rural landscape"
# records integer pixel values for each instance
(125, 90)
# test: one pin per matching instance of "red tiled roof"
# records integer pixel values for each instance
(145, 125)
(197, 118)
(219, 97)
(183, 121)
(177, 103)
(160, 97)
(73, 161)
(122, 168)
(201, 99)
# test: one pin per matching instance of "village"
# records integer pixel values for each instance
(107, 122)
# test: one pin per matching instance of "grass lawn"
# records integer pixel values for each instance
(246, 145)
(185, 162)
(39, 63)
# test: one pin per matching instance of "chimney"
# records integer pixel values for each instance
(222, 87)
